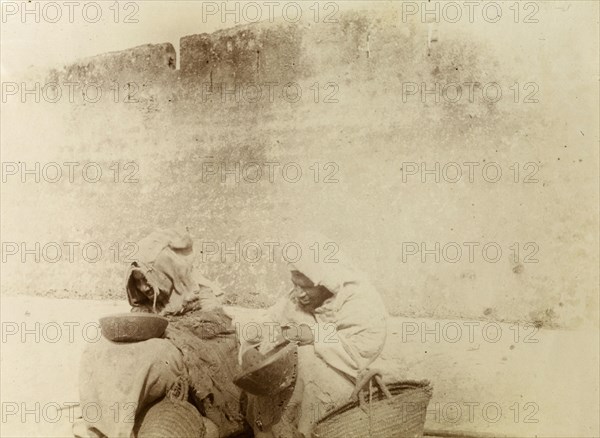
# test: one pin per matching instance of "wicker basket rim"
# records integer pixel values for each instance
(396, 388)
(166, 414)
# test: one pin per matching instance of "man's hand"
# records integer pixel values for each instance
(302, 334)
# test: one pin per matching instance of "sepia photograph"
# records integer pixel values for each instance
(300, 219)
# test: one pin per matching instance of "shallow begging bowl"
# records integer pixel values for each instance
(275, 372)
(133, 327)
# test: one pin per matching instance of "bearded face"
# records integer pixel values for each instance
(141, 284)
(162, 279)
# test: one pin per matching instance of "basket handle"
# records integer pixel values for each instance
(365, 378)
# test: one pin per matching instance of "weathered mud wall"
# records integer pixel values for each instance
(256, 54)
(353, 113)
(277, 52)
(142, 63)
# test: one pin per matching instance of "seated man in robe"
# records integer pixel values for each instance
(339, 322)
(121, 379)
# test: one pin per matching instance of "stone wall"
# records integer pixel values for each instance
(245, 54)
(368, 131)
(259, 53)
(141, 63)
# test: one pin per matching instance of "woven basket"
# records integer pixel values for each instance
(172, 417)
(399, 413)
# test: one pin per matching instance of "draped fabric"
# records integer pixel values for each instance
(118, 379)
(199, 345)
(209, 348)
(349, 332)
(165, 259)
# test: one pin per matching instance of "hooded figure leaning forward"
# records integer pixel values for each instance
(338, 320)
(121, 380)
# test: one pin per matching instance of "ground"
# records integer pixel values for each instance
(513, 386)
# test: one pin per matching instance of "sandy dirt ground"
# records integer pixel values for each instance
(494, 379)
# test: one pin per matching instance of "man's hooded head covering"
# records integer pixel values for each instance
(333, 276)
(329, 266)
(165, 260)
